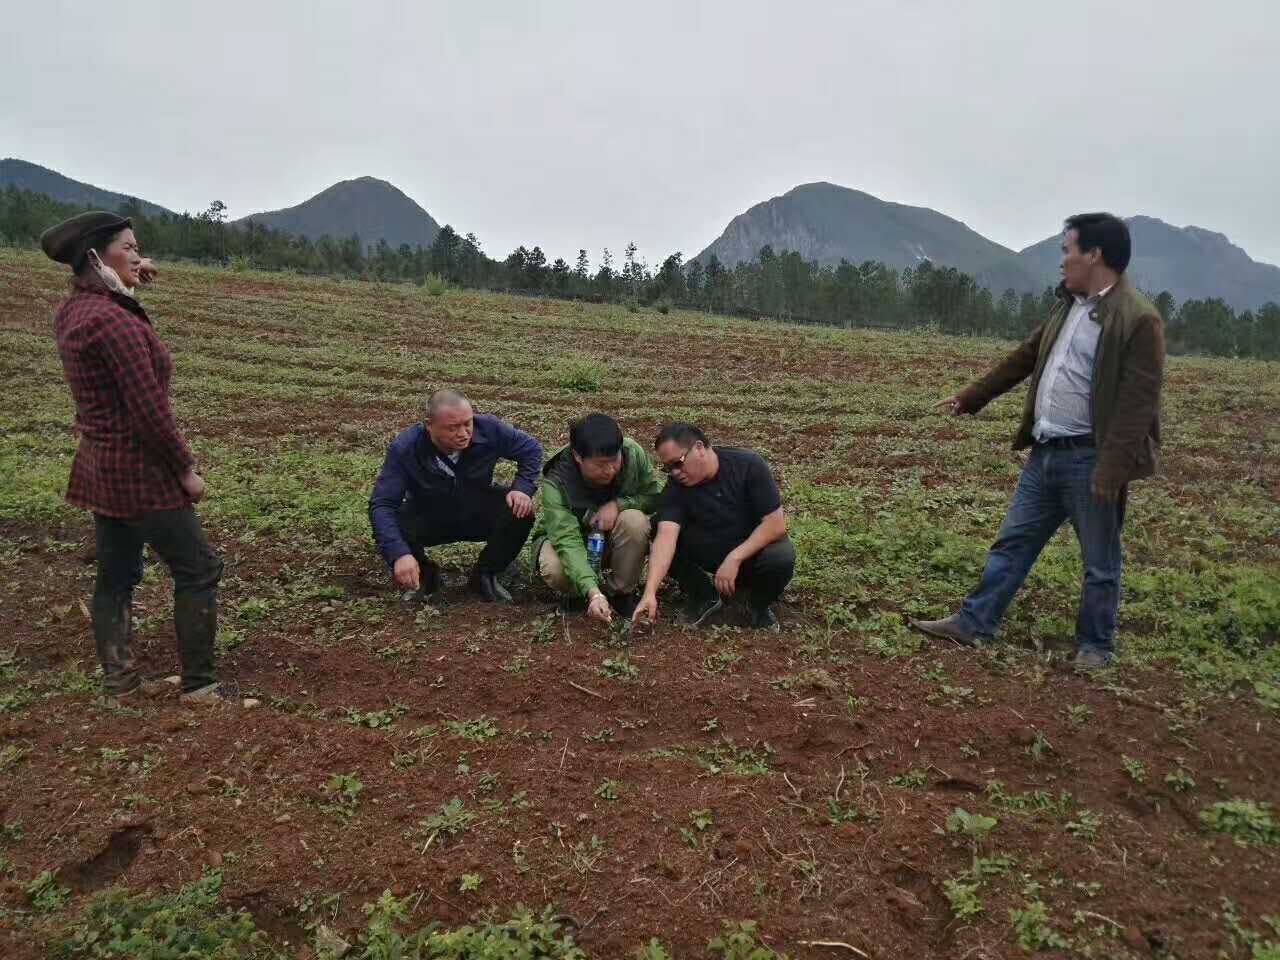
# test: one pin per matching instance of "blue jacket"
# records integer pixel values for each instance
(412, 471)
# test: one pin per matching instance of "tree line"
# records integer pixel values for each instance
(776, 285)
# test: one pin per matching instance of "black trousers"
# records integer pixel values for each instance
(177, 537)
(762, 578)
(475, 516)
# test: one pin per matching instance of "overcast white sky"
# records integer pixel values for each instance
(585, 124)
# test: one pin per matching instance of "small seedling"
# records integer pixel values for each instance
(1178, 779)
(450, 820)
(727, 757)
(973, 826)
(740, 941)
(653, 950)
(839, 812)
(1135, 768)
(619, 668)
(1031, 926)
(46, 894)
(721, 661)
(1245, 821)
(518, 663)
(1084, 826)
(12, 755)
(608, 789)
(1033, 801)
(1039, 747)
(478, 730)
(963, 898)
(585, 854)
(1078, 714)
(374, 719)
(469, 882)
(345, 789)
(992, 866)
(545, 628)
(913, 779)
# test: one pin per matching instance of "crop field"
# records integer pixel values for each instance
(458, 780)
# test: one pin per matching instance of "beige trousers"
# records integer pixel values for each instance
(623, 557)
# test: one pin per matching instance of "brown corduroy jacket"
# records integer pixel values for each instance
(1128, 370)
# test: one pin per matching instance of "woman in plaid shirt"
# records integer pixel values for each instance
(132, 469)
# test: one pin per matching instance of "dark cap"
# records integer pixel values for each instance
(70, 240)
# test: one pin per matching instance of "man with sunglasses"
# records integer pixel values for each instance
(721, 527)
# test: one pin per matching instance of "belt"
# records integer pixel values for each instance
(1067, 443)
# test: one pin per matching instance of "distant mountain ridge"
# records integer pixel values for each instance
(820, 221)
(31, 176)
(830, 223)
(371, 208)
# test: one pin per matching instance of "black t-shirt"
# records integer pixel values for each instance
(718, 515)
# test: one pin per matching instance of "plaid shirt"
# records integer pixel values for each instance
(131, 453)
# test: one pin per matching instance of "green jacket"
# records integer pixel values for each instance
(567, 503)
(1128, 371)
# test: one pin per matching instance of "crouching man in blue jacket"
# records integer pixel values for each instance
(436, 487)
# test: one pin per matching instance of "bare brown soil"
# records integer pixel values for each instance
(247, 791)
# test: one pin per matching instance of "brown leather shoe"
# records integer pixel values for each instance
(951, 629)
(151, 689)
(215, 695)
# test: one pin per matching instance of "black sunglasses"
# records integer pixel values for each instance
(675, 465)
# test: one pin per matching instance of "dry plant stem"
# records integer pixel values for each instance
(834, 943)
(592, 693)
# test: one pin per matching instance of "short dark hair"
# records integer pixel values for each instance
(1105, 232)
(445, 397)
(682, 433)
(595, 435)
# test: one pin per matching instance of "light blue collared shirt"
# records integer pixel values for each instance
(1064, 401)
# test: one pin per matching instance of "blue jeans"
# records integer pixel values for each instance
(1055, 486)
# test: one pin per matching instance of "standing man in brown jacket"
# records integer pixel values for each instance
(1092, 422)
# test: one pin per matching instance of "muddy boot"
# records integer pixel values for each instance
(113, 636)
(195, 619)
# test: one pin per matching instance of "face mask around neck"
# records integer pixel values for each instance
(108, 275)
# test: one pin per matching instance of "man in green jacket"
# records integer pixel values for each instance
(600, 481)
(1092, 421)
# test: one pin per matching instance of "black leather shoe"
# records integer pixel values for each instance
(624, 604)
(763, 618)
(487, 588)
(428, 579)
(698, 611)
